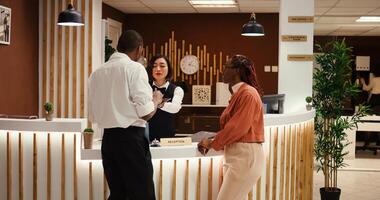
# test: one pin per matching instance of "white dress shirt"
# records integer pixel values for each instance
(119, 93)
(175, 105)
(373, 86)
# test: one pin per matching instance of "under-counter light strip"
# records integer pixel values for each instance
(368, 19)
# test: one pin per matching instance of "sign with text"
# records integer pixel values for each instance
(301, 19)
(294, 38)
(183, 141)
(300, 57)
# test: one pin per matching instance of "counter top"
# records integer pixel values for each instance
(57, 125)
(168, 152)
(288, 118)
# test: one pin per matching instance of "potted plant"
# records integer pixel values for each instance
(308, 100)
(88, 134)
(108, 49)
(332, 84)
(48, 111)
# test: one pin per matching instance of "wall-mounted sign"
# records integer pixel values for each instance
(362, 63)
(300, 19)
(300, 57)
(294, 38)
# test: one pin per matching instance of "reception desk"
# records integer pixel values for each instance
(44, 160)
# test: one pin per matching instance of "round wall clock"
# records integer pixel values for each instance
(189, 64)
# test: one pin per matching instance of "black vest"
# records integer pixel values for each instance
(161, 125)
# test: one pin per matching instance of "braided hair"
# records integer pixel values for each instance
(247, 71)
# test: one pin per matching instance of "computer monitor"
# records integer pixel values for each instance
(274, 104)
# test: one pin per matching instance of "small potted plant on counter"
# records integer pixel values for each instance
(308, 100)
(88, 134)
(48, 111)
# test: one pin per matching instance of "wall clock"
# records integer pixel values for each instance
(189, 64)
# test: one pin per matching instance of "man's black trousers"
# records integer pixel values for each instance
(127, 164)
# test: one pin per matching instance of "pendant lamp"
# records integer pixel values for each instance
(252, 28)
(70, 17)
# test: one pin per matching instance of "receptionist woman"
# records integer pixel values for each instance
(161, 125)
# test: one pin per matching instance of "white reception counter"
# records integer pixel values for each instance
(44, 160)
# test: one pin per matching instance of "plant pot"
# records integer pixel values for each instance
(309, 107)
(332, 194)
(49, 116)
(87, 140)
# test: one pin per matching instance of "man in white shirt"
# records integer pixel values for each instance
(121, 101)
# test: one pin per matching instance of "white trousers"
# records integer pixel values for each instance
(242, 168)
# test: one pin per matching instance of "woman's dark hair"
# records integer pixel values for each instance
(247, 71)
(149, 69)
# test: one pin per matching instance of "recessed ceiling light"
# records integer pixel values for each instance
(368, 19)
(213, 3)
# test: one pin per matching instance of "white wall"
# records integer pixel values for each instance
(295, 77)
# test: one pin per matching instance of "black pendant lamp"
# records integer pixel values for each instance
(70, 17)
(252, 28)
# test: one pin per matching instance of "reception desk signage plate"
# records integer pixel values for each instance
(176, 141)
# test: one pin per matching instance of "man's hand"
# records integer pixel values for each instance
(157, 100)
(157, 97)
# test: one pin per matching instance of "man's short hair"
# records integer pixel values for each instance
(129, 41)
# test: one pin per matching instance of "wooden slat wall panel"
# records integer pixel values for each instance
(65, 67)
(59, 63)
(82, 62)
(44, 53)
(52, 49)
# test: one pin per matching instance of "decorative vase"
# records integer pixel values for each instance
(309, 107)
(49, 116)
(331, 194)
(87, 140)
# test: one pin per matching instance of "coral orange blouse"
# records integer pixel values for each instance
(242, 120)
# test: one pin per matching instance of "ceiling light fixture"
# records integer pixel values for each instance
(214, 3)
(252, 28)
(70, 17)
(368, 19)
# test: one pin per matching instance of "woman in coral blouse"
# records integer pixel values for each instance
(242, 131)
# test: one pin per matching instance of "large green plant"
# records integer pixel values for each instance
(332, 84)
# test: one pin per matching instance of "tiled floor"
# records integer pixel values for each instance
(359, 181)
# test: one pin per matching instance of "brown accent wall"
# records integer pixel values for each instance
(110, 12)
(19, 60)
(220, 32)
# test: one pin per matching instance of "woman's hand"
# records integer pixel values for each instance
(204, 146)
